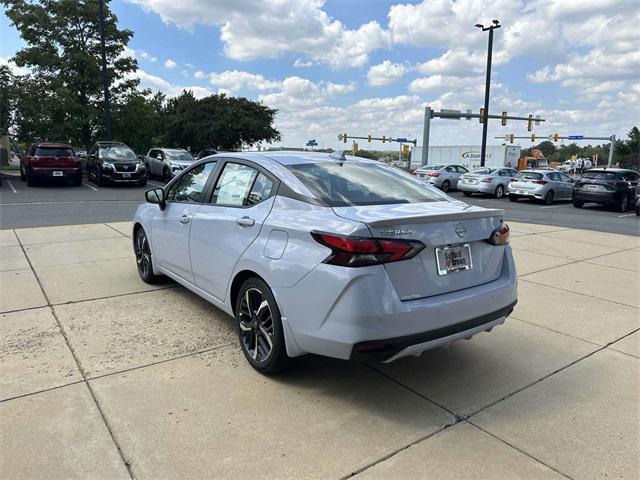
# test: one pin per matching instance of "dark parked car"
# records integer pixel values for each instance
(638, 200)
(114, 162)
(206, 152)
(50, 160)
(614, 187)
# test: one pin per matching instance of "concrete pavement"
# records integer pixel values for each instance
(105, 377)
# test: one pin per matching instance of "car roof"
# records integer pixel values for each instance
(613, 170)
(539, 170)
(111, 143)
(284, 157)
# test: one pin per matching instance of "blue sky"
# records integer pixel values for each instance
(372, 66)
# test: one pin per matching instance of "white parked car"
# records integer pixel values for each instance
(326, 254)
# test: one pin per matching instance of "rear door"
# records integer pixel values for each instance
(171, 226)
(223, 228)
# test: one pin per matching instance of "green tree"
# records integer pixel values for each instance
(218, 121)
(137, 120)
(547, 148)
(7, 99)
(63, 54)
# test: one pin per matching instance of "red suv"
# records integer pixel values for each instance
(50, 160)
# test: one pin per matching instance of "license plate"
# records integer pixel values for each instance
(455, 258)
(57, 174)
(522, 191)
(126, 175)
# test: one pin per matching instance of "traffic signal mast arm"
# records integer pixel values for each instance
(344, 137)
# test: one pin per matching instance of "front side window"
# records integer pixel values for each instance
(189, 187)
(350, 184)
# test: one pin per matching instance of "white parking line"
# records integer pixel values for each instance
(554, 206)
(90, 186)
(626, 215)
(11, 187)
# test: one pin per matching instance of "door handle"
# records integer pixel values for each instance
(245, 222)
(185, 218)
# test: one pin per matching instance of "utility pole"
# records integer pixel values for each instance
(105, 80)
(485, 125)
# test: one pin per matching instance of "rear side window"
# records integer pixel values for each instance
(350, 184)
(53, 152)
(241, 186)
(530, 176)
(599, 175)
(482, 171)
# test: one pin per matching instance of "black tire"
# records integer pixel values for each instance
(548, 198)
(446, 186)
(30, 180)
(23, 175)
(144, 260)
(577, 203)
(148, 170)
(77, 182)
(467, 194)
(623, 204)
(513, 198)
(260, 326)
(142, 182)
(499, 193)
(166, 175)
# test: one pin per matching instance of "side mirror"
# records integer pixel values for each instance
(156, 196)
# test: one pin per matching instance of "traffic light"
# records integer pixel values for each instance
(533, 137)
(405, 149)
(511, 138)
(384, 139)
(556, 136)
(369, 138)
(481, 115)
(504, 119)
(355, 148)
(344, 138)
(529, 123)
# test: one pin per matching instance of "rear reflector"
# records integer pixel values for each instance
(540, 182)
(363, 252)
(500, 236)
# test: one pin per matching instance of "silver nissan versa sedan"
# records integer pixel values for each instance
(327, 254)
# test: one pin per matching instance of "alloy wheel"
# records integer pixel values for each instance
(256, 325)
(499, 191)
(445, 186)
(143, 255)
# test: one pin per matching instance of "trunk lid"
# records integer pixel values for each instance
(436, 224)
(54, 162)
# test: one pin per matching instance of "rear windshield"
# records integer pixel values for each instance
(179, 155)
(428, 168)
(350, 184)
(117, 152)
(54, 152)
(481, 171)
(530, 176)
(599, 175)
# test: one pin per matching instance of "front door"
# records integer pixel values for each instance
(224, 228)
(171, 226)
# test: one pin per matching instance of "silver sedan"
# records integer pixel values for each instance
(545, 185)
(490, 181)
(445, 177)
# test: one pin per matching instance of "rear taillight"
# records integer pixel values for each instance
(433, 174)
(362, 251)
(500, 236)
(540, 182)
(487, 180)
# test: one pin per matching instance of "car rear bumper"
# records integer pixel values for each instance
(64, 172)
(480, 187)
(333, 310)
(537, 193)
(596, 197)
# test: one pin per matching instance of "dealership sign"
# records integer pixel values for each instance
(474, 156)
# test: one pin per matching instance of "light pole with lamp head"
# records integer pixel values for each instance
(485, 120)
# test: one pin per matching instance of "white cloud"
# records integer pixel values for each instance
(200, 75)
(252, 29)
(234, 80)
(385, 73)
(170, 63)
(156, 83)
(455, 62)
(300, 63)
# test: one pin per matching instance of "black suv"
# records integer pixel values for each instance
(614, 187)
(115, 162)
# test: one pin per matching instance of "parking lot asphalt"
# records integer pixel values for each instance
(103, 376)
(59, 204)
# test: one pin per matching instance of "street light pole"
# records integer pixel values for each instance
(105, 80)
(485, 124)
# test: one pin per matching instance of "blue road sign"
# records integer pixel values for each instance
(576, 137)
(401, 140)
(312, 143)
